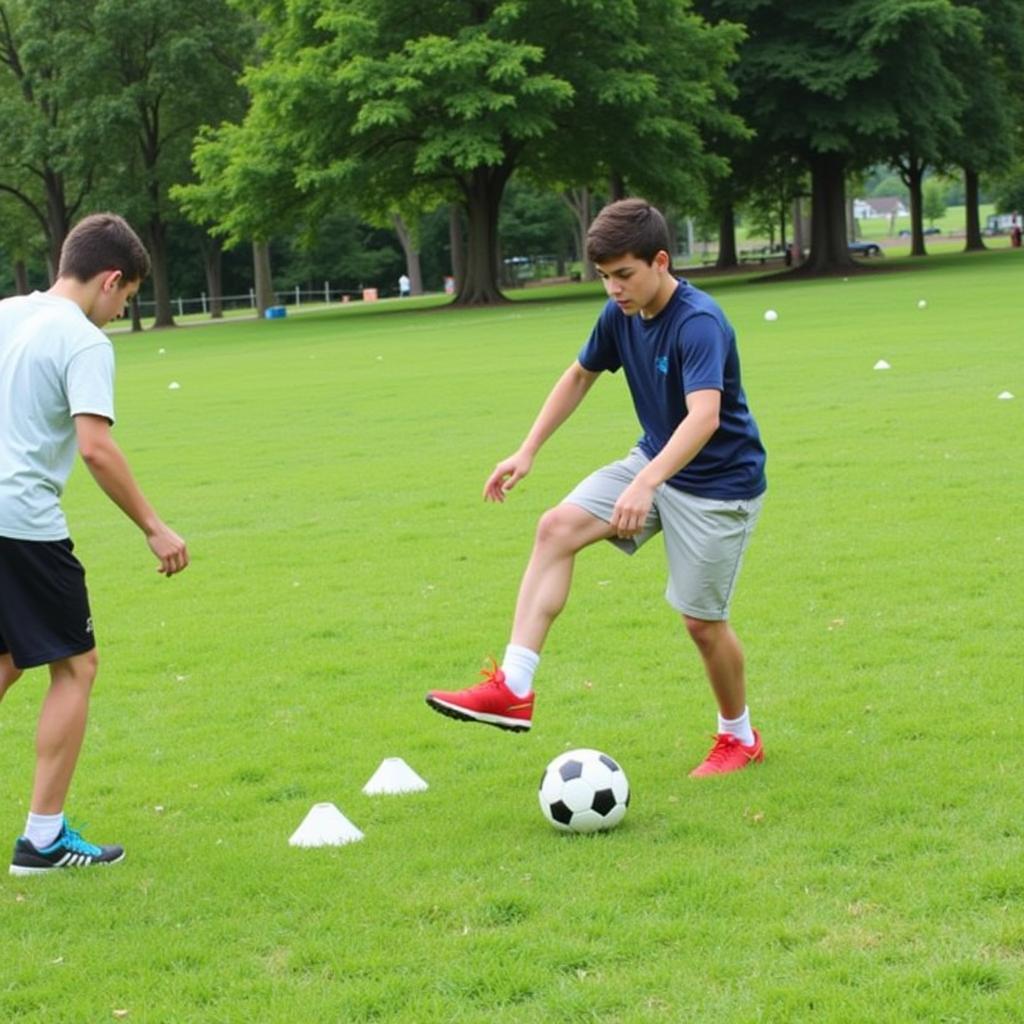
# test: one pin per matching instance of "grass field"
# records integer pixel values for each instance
(327, 471)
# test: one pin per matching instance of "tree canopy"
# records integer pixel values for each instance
(843, 86)
(390, 102)
(394, 114)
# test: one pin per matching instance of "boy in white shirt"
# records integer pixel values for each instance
(56, 397)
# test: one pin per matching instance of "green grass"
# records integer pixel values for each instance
(327, 471)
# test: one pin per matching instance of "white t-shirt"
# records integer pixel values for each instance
(54, 364)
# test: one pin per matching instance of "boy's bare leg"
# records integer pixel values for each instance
(722, 654)
(561, 533)
(9, 673)
(61, 730)
(737, 743)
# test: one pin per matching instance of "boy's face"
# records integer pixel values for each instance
(115, 293)
(636, 285)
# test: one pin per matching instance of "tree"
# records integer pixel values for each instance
(829, 83)
(175, 63)
(375, 98)
(22, 240)
(54, 130)
(991, 70)
(535, 222)
(244, 191)
(929, 102)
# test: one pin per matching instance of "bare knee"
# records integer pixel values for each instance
(80, 669)
(566, 529)
(703, 632)
(555, 529)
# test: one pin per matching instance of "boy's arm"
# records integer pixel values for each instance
(110, 469)
(701, 421)
(561, 403)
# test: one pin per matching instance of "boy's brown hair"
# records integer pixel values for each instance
(628, 227)
(100, 242)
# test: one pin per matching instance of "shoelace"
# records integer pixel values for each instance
(73, 840)
(493, 675)
(724, 742)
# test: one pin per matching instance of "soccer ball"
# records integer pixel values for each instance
(584, 791)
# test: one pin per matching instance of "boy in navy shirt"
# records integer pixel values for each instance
(696, 475)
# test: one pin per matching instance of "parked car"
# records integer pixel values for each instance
(865, 249)
(906, 233)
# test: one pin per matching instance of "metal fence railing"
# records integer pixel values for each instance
(293, 297)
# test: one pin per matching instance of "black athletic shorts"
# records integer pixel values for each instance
(44, 606)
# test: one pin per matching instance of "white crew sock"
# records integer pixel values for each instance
(519, 665)
(42, 829)
(738, 727)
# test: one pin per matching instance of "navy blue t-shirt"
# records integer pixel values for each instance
(688, 346)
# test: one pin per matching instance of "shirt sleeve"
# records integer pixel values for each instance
(601, 351)
(89, 381)
(705, 348)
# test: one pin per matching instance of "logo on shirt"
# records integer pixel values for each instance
(661, 364)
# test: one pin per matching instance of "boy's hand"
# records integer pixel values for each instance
(506, 475)
(169, 548)
(631, 510)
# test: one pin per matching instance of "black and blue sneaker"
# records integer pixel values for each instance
(68, 850)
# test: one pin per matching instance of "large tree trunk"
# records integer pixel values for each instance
(974, 241)
(412, 254)
(58, 220)
(136, 314)
(616, 187)
(912, 173)
(483, 189)
(727, 256)
(163, 316)
(213, 264)
(261, 277)
(829, 251)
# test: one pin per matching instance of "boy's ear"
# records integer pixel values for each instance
(112, 279)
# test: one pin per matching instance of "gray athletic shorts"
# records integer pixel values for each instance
(704, 538)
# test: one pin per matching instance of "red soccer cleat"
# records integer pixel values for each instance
(729, 755)
(490, 702)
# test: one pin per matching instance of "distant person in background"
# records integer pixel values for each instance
(404, 286)
(57, 395)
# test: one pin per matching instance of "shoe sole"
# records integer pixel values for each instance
(22, 871)
(462, 715)
(697, 774)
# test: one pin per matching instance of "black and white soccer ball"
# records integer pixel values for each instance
(584, 791)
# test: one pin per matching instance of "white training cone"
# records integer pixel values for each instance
(325, 825)
(770, 315)
(173, 386)
(394, 776)
(1005, 395)
(882, 365)
(921, 303)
